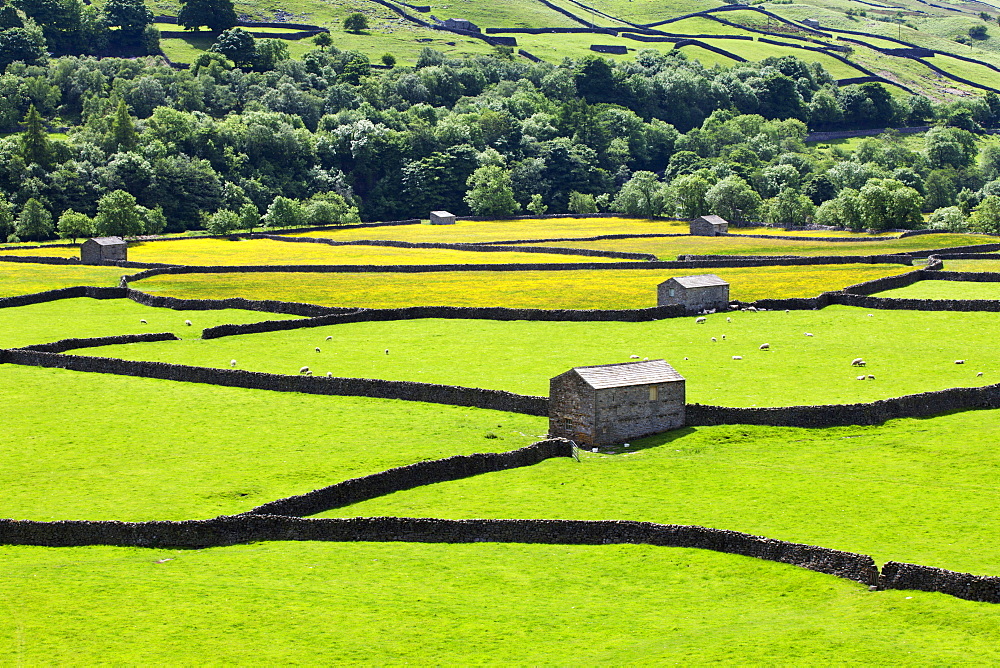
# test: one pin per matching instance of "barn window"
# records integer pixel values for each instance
(671, 292)
(653, 393)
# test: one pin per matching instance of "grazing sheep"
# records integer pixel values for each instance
(232, 362)
(645, 359)
(305, 369)
(187, 322)
(861, 377)
(979, 375)
(870, 315)
(723, 337)
(318, 350)
(765, 346)
(787, 310)
(871, 377)
(737, 357)
(386, 351)
(700, 321)
(959, 361)
(143, 322)
(858, 362)
(685, 359)
(713, 340)
(729, 319)
(329, 338)
(329, 374)
(808, 334)
(633, 357)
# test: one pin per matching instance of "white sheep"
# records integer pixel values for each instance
(861, 377)
(232, 362)
(305, 369)
(787, 310)
(858, 362)
(737, 357)
(143, 322)
(870, 315)
(386, 351)
(808, 334)
(765, 346)
(645, 359)
(871, 377)
(329, 374)
(723, 337)
(633, 357)
(959, 361)
(700, 321)
(714, 340)
(318, 350)
(979, 375)
(729, 319)
(329, 338)
(187, 322)
(685, 359)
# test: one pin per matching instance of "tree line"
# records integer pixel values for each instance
(277, 142)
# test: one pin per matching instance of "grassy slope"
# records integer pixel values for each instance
(521, 356)
(81, 318)
(208, 450)
(612, 288)
(318, 603)
(912, 490)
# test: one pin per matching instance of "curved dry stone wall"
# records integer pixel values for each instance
(63, 345)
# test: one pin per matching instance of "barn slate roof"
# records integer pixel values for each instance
(702, 281)
(715, 220)
(628, 373)
(108, 241)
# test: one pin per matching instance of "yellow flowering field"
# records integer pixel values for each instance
(465, 231)
(17, 278)
(605, 289)
(670, 247)
(972, 265)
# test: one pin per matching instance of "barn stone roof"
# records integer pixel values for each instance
(715, 220)
(628, 373)
(441, 214)
(108, 241)
(702, 281)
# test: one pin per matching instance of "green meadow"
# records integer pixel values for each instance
(521, 356)
(946, 290)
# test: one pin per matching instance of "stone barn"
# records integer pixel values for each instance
(442, 218)
(460, 24)
(614, 403)
(709, 226)
(697, 293)
(103, 250)
(811, 23)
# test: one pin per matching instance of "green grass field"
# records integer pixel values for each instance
(521, 356)
(911, 490)
(946, 290)
(390, 603)
(607, 289)
(188, 450)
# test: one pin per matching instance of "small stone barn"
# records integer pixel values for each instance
(442, 218)
(613, 403)
(709, 226)
(103, 250)
(698, 293)
(811, 23)
(461, 24)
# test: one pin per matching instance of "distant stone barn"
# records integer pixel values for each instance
(697, 293)
(709, 226)
(442, 218)
(614, 403)
(103, 250)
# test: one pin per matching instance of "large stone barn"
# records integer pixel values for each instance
(709, 226)
(103, 250)
(706, 292)
(613, 403)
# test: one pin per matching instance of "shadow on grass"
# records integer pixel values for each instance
(645, 443)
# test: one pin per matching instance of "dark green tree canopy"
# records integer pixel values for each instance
(238, 46)
(216, 15)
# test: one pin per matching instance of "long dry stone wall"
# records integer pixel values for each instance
(356, 387)
(971, 587)
(403, 478)
(63, 345)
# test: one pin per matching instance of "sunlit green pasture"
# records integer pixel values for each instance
(947, 290)
(174, 450)
(586, 288)
(973, 265)
(468, 231)
(18, 278)
(391, 603)
(83, 317)
(668, 248)
(918, 491)
(521, 356)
